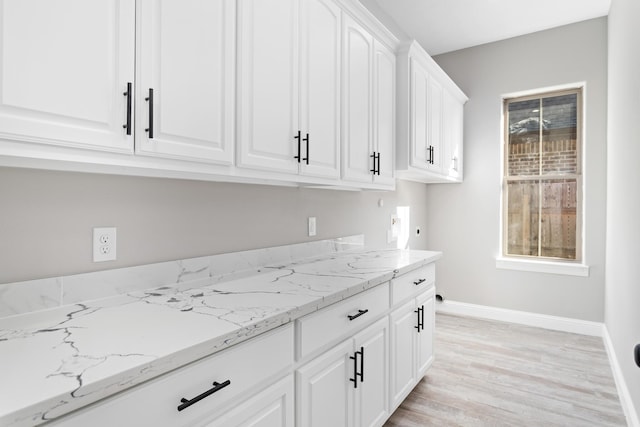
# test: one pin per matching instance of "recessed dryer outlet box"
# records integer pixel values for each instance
(104, 244)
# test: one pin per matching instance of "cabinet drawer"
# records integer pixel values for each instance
(155, 403)
(412, 283)
(341, 319)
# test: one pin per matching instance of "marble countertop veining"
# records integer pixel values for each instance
(55, 361)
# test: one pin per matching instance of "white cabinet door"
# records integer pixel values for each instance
(384, 114)
(324, 392)
(372, 394)
(357, 148)
(272, 407)
(434, 124)
(419, 115)
(186, 55)
(403, 352)
(65, 66)
(453, 114)
(424, 347)
(268, 84)
(320, 50)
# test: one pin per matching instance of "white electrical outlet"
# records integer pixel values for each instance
(312, 226)
(104, 244)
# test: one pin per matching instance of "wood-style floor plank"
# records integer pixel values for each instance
(489, 373)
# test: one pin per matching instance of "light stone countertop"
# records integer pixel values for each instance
(57, 360)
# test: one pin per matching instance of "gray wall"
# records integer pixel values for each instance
(46, 218)
(464, 220)
(622, 315)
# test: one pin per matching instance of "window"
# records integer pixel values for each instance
(542, 186)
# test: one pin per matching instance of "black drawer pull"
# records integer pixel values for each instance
(417, 282)
(355, 316)
(216, 386)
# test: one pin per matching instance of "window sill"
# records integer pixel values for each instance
(565, 268)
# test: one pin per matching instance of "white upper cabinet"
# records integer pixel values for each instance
(430, 120)
(186, 58)
(65, 66)
(369, 108)
(289, 88)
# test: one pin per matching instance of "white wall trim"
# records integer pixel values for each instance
(623, 392)
(538, 266)
(576, 326)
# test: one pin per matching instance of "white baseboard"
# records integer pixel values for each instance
(576, 326)
(623, 392)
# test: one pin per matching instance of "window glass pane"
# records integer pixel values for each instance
(522, 217)
(558, 219)
(559, 152)
(524, 138)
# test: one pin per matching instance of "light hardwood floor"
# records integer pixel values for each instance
(489, 373)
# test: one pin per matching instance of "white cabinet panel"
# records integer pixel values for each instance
(452, 132)
(59, 87)
(268, 84)
(324, 390)
(419, 115)
(385, 114)
(403, 352)
(425, 355)
(372, 395)
(357, 118)
(320, 50)
(186, 54)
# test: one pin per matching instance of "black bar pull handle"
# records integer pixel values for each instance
(373, 156)
(419, 311)
(298, 138)
(361, 374)
(357, 374)
(354, 380)
(149, 99)
(185, 403)
(128, 94)
(355, 316)
(378, 172)
(422, 317)
(417, 282)
(306, 159)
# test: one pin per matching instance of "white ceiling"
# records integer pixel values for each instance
(446, 25)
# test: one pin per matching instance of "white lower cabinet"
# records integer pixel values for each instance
(412, 333)
(347, 386)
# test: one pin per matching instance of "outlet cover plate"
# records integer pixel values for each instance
(104, 244)
(312, 226)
